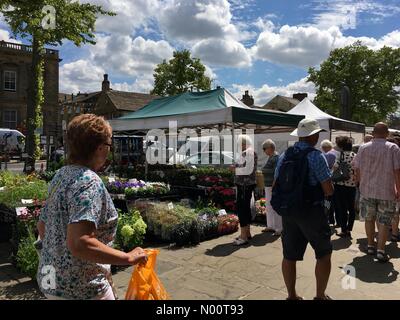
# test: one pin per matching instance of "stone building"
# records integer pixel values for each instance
(15, 68)
(108, 102)
(285, 104)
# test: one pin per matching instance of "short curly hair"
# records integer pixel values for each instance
(344, 143)
(85, 133)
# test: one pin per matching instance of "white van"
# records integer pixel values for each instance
(12, 142)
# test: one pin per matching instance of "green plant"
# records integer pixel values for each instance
(149, 190)
(178, 224)
(27, 257)
(131, 230)
(12, 195)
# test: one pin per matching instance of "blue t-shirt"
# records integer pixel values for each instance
(330, 158)
(318, 167)
(75, 194)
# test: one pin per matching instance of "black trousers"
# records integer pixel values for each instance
(345, 206)
(243, 201)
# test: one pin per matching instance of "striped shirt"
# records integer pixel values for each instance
(377, 161)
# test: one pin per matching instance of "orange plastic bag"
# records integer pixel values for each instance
(144, 283)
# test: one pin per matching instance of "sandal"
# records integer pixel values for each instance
(395, 238)
(240, 242)
(371, 250)
(267, 230)
(382, 257)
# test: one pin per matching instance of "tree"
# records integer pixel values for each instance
(372, 77)
(181, 74)
(47, 22)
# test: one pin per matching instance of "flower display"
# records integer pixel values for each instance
(149, 189)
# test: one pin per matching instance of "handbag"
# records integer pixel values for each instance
(342, 172)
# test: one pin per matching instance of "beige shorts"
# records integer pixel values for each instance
(383, 211)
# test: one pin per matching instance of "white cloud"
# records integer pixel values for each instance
(80, 75)
(309, 46)
(222, 53)
(130, 57)
(345, 14)
(207, 27)
(131, 15)
(266, 93)
(263, 24)
(192, 20)
(5, 36)
(301, 46)
(210, 73)
(140, 85)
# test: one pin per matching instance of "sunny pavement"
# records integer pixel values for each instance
(218, 270)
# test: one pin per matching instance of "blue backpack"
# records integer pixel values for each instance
(292, 195)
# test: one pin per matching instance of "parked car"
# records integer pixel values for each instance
(12, 142)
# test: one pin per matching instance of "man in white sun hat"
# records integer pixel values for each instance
(301, 187)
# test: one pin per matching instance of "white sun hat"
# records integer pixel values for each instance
(306, 128)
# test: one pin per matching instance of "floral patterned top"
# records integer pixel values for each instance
(75, 194)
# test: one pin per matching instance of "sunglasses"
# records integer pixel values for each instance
(109, 145)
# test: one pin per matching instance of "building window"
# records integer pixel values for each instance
(10, 81)
(10, 119)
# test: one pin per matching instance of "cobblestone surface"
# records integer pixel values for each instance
(218, 270)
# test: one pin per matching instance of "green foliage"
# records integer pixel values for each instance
(372, 77)
(178, 225)
(151, 190)
(22, 189)
(27, 257)
(131, 230)
(47, 175)
(74, 21)
(54, 165)
(181, 74)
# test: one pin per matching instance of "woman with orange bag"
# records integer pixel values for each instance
(79, 222)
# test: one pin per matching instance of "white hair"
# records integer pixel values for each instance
(269, 144)
(245, 139)
(326, 144)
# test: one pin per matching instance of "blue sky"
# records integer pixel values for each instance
(264, 46)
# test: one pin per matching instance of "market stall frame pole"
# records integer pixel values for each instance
(220, 146)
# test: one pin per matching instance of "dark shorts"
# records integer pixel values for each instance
(311, 228)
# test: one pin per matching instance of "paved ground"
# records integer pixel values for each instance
(218, 270)
(18, 166)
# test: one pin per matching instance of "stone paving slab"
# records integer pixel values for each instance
(218, 270)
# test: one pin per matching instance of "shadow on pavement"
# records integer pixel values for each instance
(341, 243)
(226, 249)
(369, 270)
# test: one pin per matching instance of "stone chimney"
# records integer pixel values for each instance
(300, 96)
(247, 99)
(106, 84)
